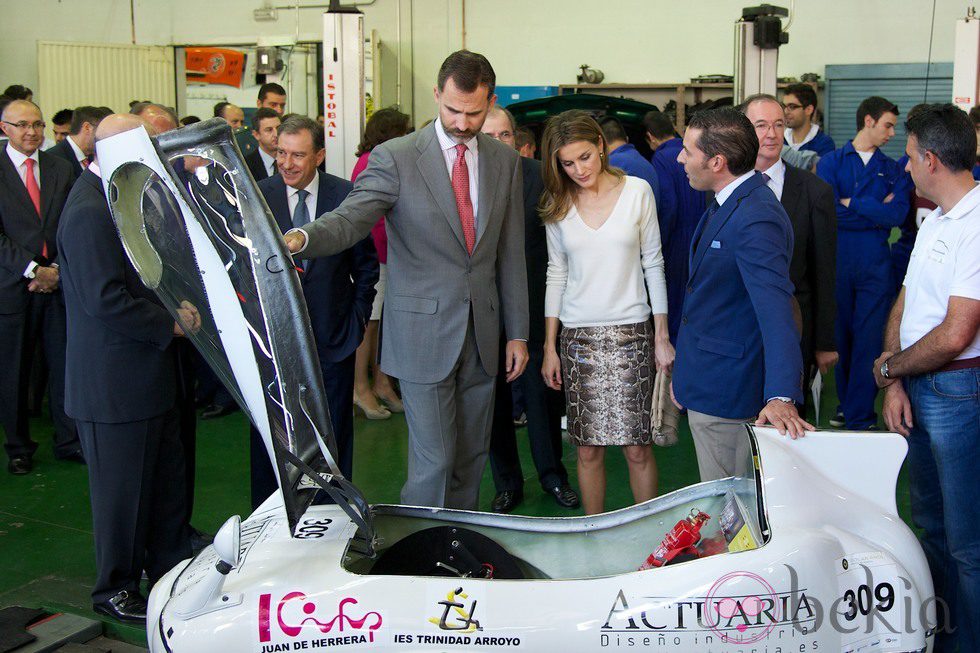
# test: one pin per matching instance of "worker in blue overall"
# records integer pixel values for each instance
(679, 209)
(872, 193)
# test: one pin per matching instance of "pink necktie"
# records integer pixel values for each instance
(461, 189)
(35, 192)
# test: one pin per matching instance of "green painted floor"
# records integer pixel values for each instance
(46, 555)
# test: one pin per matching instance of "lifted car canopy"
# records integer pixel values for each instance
(199, 233)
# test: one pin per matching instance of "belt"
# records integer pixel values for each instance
(961, 364)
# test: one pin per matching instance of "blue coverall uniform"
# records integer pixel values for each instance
(822, 144)
(679, 209)
(632, 163)
(865, 288)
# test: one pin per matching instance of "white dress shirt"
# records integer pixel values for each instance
(79, 155)
(777, 178)
(292, 198)
(727, 191)
(269, 162)
(945, 262)
(19, 160)
(448, 147)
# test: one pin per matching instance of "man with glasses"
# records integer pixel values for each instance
(809, 203)
(33, 188)
(799, 107)
(543, 406)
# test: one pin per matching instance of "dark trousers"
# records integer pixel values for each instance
(338, 382)
(44, 319)
(136, 484)
(209, 389)
(864, 296)
(185, 356)
(544, 409)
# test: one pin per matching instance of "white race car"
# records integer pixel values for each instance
(804, 552)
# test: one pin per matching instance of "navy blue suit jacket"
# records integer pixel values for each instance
(120, 367)
(339, 289)
(738, 345)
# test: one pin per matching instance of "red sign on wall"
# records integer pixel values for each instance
(215, 66)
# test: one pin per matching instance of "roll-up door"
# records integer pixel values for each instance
(903, 84)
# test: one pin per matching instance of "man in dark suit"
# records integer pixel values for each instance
(121, 389)
(738, 350)
(543, 406)
(77, 148)
(809, 203)
(33, 189)
(339, 289)
(265, 128)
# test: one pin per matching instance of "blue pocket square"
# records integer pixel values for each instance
(715, 244)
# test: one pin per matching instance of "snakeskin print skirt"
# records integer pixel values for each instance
(608, 374)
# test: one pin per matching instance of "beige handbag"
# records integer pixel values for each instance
(664, 413)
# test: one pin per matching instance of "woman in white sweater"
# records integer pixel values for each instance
(605, 279)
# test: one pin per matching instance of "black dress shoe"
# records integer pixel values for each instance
(199, 540)
(20, 465)
(218, 410)
(75, 456)
(125, 606)
(506, 501)
(564, 496)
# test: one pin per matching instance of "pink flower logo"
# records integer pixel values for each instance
(741, 608)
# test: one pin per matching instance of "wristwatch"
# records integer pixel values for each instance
(33, 273)
(883, 370)
(785, 400)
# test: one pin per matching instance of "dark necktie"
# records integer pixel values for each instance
(712, 208)
(301, 215)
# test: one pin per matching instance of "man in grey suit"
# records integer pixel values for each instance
(453, 201)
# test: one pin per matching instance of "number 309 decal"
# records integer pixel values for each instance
(313, 528)
(861, 601)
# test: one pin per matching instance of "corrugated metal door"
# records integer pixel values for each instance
(112, 75)
(903, 84)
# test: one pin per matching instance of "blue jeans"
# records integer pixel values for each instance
(944, 470)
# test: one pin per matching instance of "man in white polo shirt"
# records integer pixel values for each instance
(932, 345)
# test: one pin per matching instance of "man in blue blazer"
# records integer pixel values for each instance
(738, 349)
(339, 289)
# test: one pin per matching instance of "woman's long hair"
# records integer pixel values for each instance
(559, 189)
(383, 125)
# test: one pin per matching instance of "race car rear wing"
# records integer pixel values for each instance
(200, 234)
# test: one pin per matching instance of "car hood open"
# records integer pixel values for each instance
(199, 233)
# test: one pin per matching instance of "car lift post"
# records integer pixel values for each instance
(758, 35)
(966, 61)
(343, 86)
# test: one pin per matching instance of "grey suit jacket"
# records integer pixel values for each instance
(433, 283)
